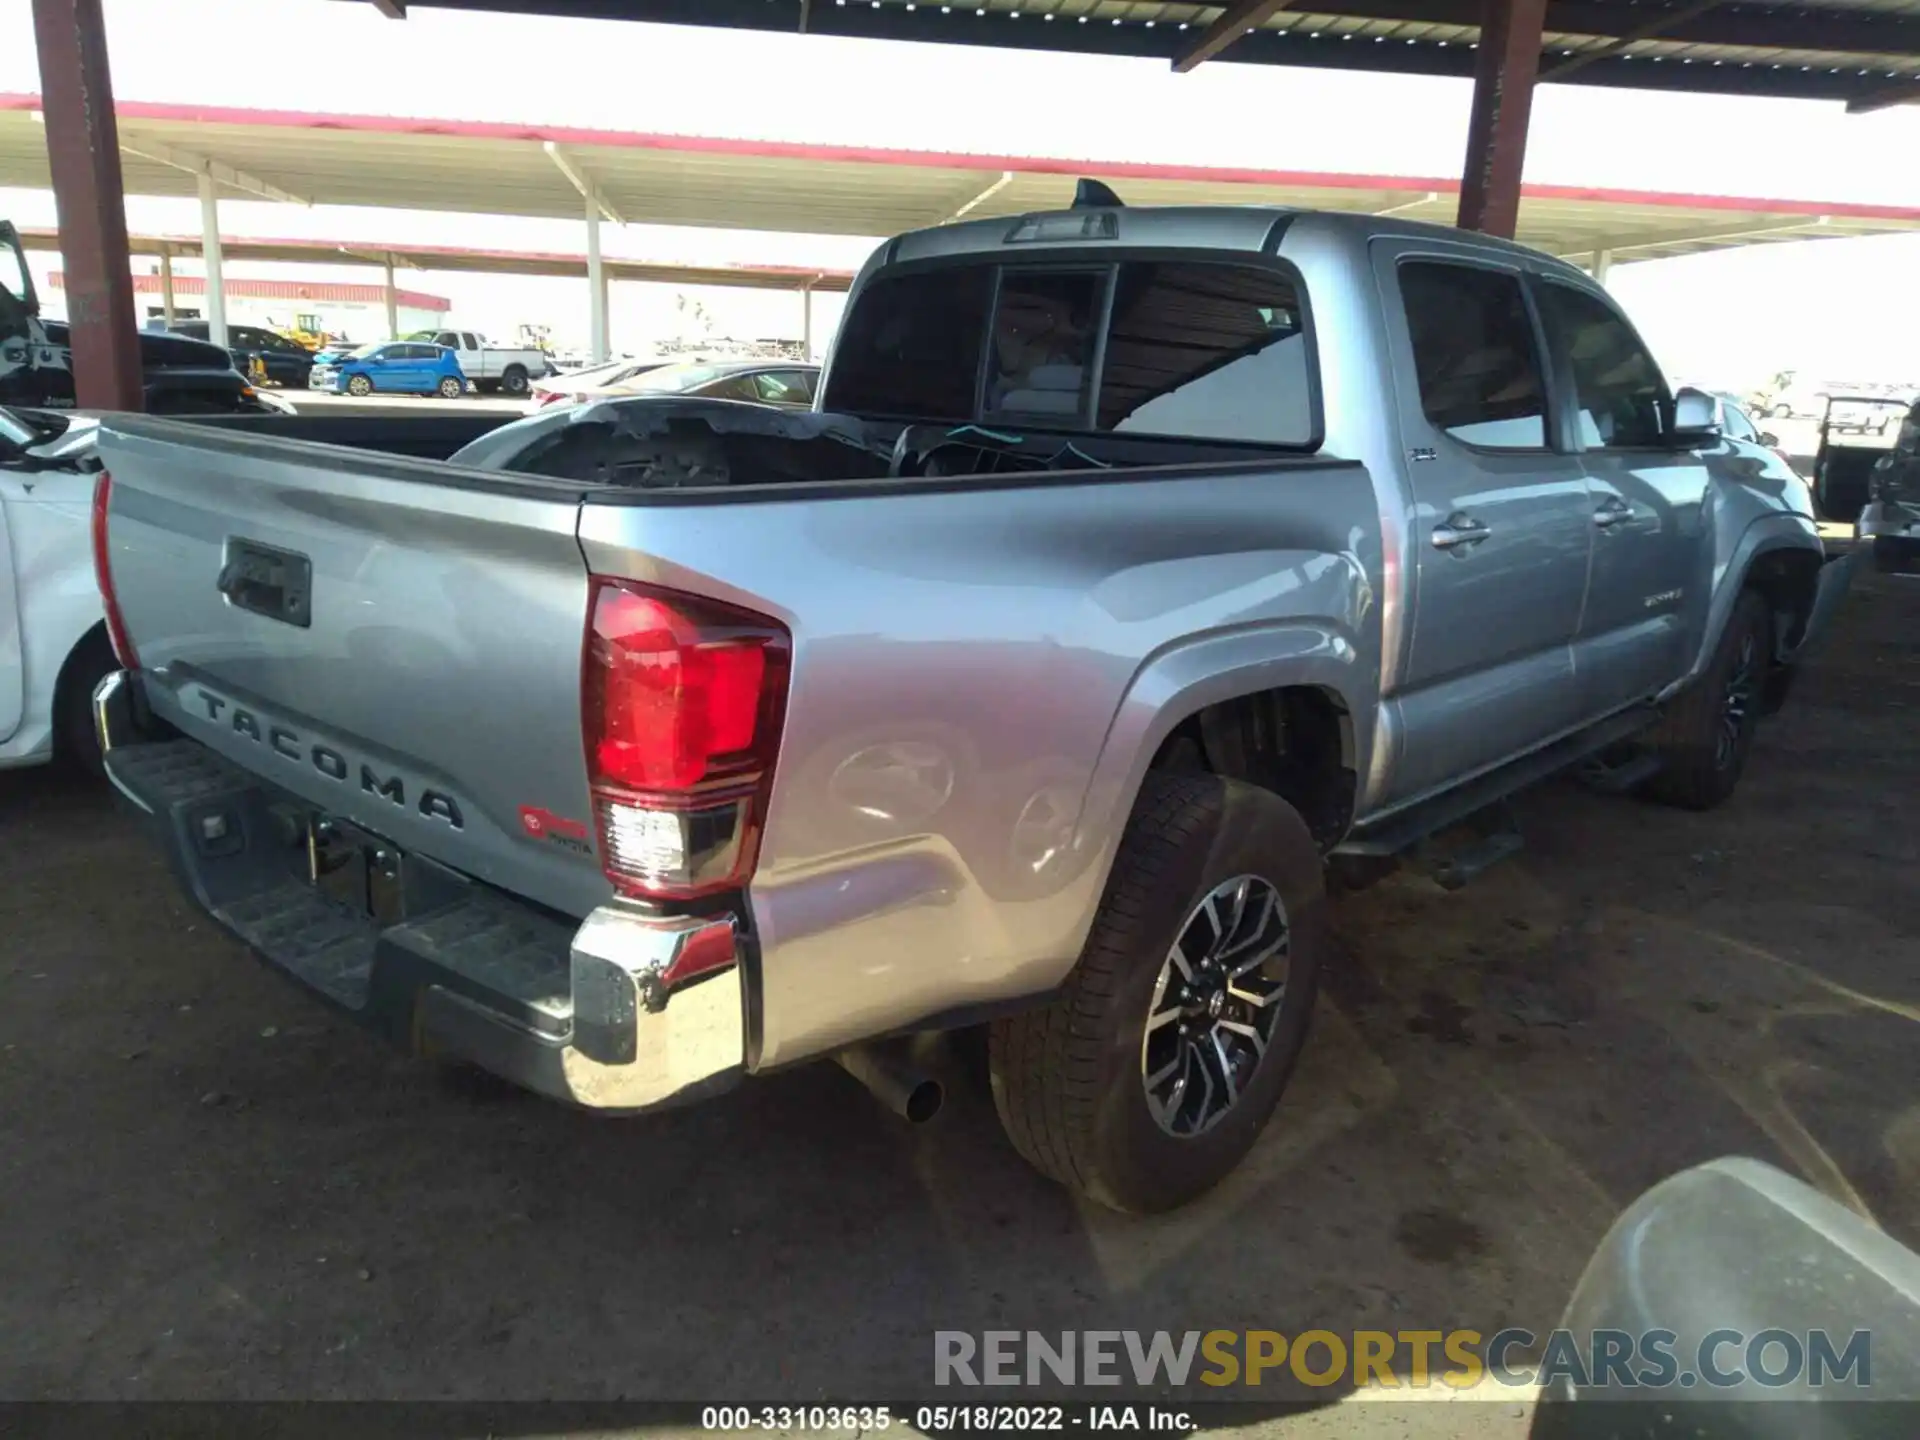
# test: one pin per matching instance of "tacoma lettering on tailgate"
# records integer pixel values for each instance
(291, 745)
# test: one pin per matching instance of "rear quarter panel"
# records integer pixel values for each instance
(980, 677)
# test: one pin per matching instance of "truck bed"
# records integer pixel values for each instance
(974, 658)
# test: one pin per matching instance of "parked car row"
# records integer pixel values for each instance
(1098, 605)
(395, 367)
(784, 383)
(488, 367)
(179, 375)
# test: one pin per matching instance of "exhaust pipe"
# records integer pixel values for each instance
(888, 1070)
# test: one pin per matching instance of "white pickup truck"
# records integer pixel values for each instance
(512, 368)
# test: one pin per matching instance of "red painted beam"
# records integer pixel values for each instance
(1509, 61)
(83, 153)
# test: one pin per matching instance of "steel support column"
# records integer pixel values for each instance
(806, 321)
(83, 156)
(1602, 263)
(1509, 59)
(393, 300)
(210, 258)
(596, 287)
(166, 286)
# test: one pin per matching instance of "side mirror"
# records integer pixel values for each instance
(1695, 419)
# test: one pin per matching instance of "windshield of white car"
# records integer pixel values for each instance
(24, 428)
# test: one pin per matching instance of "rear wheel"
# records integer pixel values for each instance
(1704, 740)
(359, 385)
(74, 741)
(514, 380)
(1155, 1069)
(451, 389)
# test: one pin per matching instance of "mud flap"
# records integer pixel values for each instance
(1835, 577)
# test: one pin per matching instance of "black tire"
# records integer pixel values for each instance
(1069, 1080)
(1702, 744)
(359, 386)
(451, 389)
(514, 380)
(74, 743)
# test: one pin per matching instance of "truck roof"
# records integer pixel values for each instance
(1241, 228)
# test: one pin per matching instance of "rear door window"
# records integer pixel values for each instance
(1218, 351)
(1474, 354)
(783, 387)
(732, 387)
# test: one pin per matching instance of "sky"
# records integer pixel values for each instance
(1837, 308)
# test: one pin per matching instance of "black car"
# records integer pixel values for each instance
(180, 375)
(287, 361)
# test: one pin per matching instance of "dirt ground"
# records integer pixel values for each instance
(213, 1189)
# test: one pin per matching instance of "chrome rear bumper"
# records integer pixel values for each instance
(578, 1013)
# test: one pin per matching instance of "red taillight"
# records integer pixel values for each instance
(682, 701)
(103, 576)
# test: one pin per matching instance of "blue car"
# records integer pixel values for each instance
(402, 367)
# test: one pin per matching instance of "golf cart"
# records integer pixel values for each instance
(1855, 434)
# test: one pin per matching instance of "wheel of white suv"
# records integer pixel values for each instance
(1704, 739)
(1153, 1072)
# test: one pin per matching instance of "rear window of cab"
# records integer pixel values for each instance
(1177, 348)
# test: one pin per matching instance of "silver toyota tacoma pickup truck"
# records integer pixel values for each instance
(1134, 566)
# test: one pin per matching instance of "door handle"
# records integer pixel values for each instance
(1459, 531)
(1614, 512)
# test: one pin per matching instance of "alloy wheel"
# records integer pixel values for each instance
(1215, 1004)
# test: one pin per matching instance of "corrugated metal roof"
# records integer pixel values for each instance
(1866, 52)
(500, 168)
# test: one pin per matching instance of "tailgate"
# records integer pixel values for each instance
(395, 640)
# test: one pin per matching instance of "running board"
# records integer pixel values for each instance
(1402, 829)
(1630, 774)
(1501, 839)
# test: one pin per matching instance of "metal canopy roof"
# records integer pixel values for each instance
(513, 169)
(491, 262)
(1865, 52)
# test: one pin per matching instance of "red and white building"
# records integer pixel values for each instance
(330, 307)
